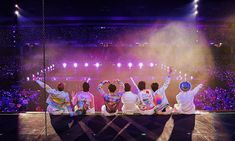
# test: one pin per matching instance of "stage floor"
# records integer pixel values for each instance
(199, 127)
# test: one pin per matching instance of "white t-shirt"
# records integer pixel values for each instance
(185, 100)
(130, 101)
(161, 91)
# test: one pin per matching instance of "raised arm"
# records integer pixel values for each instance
(132, 80)
(47, 87)
(196, 89)
(167, 80)
(121, 85)
(100, 87)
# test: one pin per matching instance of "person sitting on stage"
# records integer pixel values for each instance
(58, 100)
(146, 97)
(84, 101)
(159, 96)
(130, 101)
(185, 104)
(146, 105)
(111, 99)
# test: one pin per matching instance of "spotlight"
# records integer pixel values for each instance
(195, 13)
(27, 78)
(97, 65)
(53, 65)
(196, 1)
(119, 65)
(17, 13)
(141, 64)
(86, 65)
(130, 65)
(151, 65)
(16, 6)
(64, 65)
(75, 65)
(191, 77)
(195, 6)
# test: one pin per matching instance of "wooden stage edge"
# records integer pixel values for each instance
(203, 126)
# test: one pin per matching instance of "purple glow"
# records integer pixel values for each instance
(119, 65)
(27, 78)
(151, 64)
(97, 65)
(141, 65)
(75, 65)
(130, 65)
(86, 65)
(64, 65)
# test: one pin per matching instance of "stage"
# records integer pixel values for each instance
(200, 127)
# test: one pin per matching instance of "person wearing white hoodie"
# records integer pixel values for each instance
(185, 103)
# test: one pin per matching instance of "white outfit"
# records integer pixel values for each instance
(185, 101)
(58, 101)
(130, 102)
(161, 91)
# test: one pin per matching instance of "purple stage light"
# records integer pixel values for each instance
(75, 65)
(86, 65)
(119, 65)
(64, 65)
(97, 65)
(130, 64)
(151, 64)
(141, 65)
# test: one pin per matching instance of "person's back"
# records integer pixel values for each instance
(130, 101)
(84, 101)
(58, 100)
(111, 99)
(185, 100)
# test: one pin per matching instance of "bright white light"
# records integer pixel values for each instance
(17, 13)
(151, 64)
(195, 13)
(97, 64)
(86, 65)
(16, 6)
(130, 65)
(33, 75)
(141, 64)
(195, 6)
(191, 78)
(53, 65)
(27, 78)
(119, 65)
(64, 65)
(196, 1)
(75, 65)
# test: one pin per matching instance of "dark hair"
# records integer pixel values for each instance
(154, 86)
(141, 85)
(127, 87)
(60, 86)
(85, 87)
(112, 88)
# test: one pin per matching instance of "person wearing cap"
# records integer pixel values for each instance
(111, 98)
(84, 101)
(185, 104)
